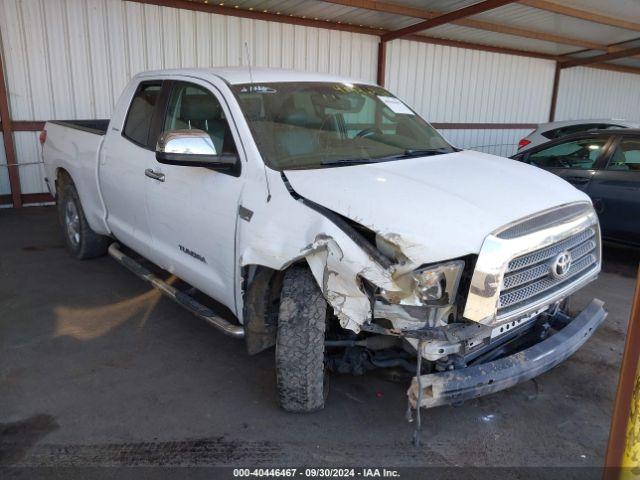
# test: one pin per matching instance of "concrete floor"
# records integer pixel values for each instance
(97, 369)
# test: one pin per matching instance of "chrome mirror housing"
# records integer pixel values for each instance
(193, 148)
(186, 142)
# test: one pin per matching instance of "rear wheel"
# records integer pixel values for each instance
(81, 241)
(300, 370)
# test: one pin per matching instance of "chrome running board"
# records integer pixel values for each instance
(181, 298)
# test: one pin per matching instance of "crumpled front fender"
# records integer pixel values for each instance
(340, 278)
(293, 231)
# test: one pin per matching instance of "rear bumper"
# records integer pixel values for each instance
(471, 382)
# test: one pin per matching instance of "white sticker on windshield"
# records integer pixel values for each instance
(257, 89)
(395, 105)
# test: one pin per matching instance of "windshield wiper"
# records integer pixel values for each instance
(415, 152)
(408, 153)
(424, 152)
(349, 161)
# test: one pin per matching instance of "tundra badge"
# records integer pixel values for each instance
(195, 255)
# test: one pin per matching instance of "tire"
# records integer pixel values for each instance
(300, 370)
(81, 241)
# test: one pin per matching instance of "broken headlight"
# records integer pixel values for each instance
(435, 285)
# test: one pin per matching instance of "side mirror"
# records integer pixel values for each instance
(193, 148)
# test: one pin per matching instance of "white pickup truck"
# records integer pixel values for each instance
(335, 224)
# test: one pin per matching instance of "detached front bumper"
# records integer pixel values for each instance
(466, 383)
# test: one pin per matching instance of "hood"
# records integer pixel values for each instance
(438, 207)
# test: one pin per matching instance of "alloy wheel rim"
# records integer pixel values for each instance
(72, 222)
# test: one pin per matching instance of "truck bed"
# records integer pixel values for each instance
(99, 127)
(74, 146)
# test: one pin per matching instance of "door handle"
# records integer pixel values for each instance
(155, 175)
(578, 180)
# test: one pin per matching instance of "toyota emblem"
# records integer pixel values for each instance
(561, 265)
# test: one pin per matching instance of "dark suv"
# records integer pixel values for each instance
(605, 165)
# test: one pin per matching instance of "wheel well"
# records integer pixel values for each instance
(62, 178)
(260, 276)
(261, 287)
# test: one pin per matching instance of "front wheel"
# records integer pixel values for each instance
(81, 241)
(300, 370)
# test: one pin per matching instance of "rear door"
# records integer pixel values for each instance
(573, 159)
(125, 156)
(615, 190)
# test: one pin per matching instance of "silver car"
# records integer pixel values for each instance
(553, 130)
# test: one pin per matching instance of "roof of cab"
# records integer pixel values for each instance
(238, 75)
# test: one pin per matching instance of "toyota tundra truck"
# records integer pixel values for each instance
(332, 222)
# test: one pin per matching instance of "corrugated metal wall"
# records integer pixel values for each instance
(69, 59)
(448, 84)
(592, 93)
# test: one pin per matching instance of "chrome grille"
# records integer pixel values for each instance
(529, 276)
(544, 220)
(550, 251)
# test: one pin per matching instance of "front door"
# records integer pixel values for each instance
(573, 160)
(615, 190)
(193, 210)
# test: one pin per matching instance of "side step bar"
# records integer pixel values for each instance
(181, 298)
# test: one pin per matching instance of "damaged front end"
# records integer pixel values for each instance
(469, 326)
(522, 356)
(461, 327)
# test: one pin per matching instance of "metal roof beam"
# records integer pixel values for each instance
(259, 15)
(575, 62)
(468, 22)
(386, 8)
(614, 67)
(581, 14)
(480, 46)
(445, 18)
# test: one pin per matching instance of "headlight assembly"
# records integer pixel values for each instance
(435, 285)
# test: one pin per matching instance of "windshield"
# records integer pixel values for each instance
(311, 125)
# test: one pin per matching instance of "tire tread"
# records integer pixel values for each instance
(300, 368)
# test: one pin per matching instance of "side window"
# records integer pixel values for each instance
(550, 134)
(138, 122)
(583, 127)
(194, 107)
(579, 154)
(627, 156)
